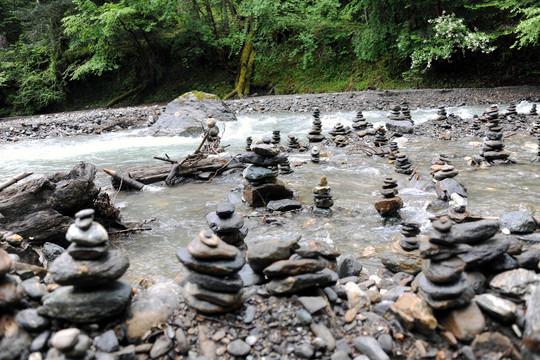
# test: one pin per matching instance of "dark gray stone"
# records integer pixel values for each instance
(34, 288)
(445, 188)
(371, 347)
(259, 160)
(518, 222)
(40, 341)
(313, 303)
(387, 343)
(230, 284)
(528, 259)
(443, 271)
(348, 265)
(304, 351)
(107, 341)
(267, 252)
(293, 284)
(30, 320)
(215, 267)
(259, 173)
(404, 127)
(283, 205)
(51, 251)
(483, 253)
(474, 232)
(443, 291)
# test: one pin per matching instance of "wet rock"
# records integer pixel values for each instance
(369, 346)
(320, 330)
(259, 173)
(349, 266)
(443, 271)
(493, 345)
(283, 205)
(517, 283)
(518, 222)
(501, 309)
(445, 188)
(313, 303)
(30, 320)
(485, 252)
(267, 252)
(414, 313)
(464, 323)
(230, 284)
(161, 346)
(238, 347)
(293, 267)
(475, 232)
(107, 342)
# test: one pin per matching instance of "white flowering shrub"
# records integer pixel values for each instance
(449, 36)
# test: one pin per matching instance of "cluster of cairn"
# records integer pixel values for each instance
(88, 272)
(292, 268)
(402, 164)
(260, 178)
(399, 119)
(390, 204)
(359, 122)
(212, 283)
(322, 198)
(315, 134)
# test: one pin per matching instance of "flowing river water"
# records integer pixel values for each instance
(177, 214)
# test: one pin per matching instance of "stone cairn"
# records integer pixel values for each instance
(395, 112)
(249, 141)
(536, 131)
(341, 141)
(441, 114)
(212, 285)
(492, 148)
(476, 123)
(492, 113)
(285, 167)
(227, 224)
(533, 111)
(359, 122)
(315, 135)
(315, 154)
(443, 282)
(88, 272)
(511, 110)
(409, 230)
(292, 142)
(402, 164)
(405, 110)
(394, 149)
(441, 172)
(380, 137)
(339, 134)
(322, 198)
(390, 204)
(399, 119)
(11, 289)
(292, 268)
(276, 137)
(260, 178)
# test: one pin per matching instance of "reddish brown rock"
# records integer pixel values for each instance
(260, 195)
(465, 323)
(388, 206)
(414, 313)
(5, 262)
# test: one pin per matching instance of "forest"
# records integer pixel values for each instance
(58, 55)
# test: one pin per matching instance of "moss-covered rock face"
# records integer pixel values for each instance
(197, 95)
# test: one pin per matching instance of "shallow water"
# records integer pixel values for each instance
(178, 213)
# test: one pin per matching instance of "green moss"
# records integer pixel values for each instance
(199, 95)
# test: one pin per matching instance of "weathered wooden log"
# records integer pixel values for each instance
(124, 180)
(40, 210)
(14, 180)
(149, 174)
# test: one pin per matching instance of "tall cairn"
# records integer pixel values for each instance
(260, 178)
(390, 204)
(212, 285)
(443, 282)
(227, 224)
(402, 164)
(493, 146)
(249, 141)
(88, 273)
(322, 198)
(511, 110)
(315, 135)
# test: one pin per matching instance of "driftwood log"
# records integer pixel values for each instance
(149, 174)
(41, 209)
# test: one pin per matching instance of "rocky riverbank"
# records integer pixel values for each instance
(109, 120)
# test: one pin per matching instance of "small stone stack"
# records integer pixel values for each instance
(227, 224)
(293, 269)
(405, 110)
(88, 272)
(399, 119)
(492, 113)
(536, 159)
(402, 164)
(441, 172)
(249, 141)
(213, 285)
(533, 111)
(441, 114)
(511, 111)
(476, 123)
(276, 137)
(380, 137)
(11, 289)
(394, 149)
(315, 134)
(341, 141)
(390, 204)
(395, 112)
(260, 178)
(457, 208)
(359, 122)
(492, 148)
(292, 142)
(322, 198)
(443, 282)
(409, 230)
(285, 167)
(315, 154)
(339, 129)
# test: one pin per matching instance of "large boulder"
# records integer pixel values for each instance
(186, 115)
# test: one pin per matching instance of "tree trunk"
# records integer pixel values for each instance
(247, 61)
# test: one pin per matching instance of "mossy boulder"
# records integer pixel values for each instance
(187, 114)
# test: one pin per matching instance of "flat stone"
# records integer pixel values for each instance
(318, 248)
(79, 306)
(518, 222)
(283, 205)
(238, 347)
(293, 284)
(259, 173)
(225, 209)
(501, 309)
(445, 304)
(30, 320)
(262, 254)
(83, 252)
(483, 253)
(474, 232)
(89, 273)
(107, 342)
(443, 291)
(260, 195)
(66, 339)
(324, 333)
(369, 346)
(259, 160)
(208, 307)
(221, 224)
(348, 265)
(161, 346)
(222, 251)
(95, 235)
(5, 262)
(293, 267)
(215, 267)
(441, 272)
(516, 283)
(388, 206)
(214, 297)
(464, 323)
(231, 284)
(265, 150)
(414, 313)
(313, 303)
